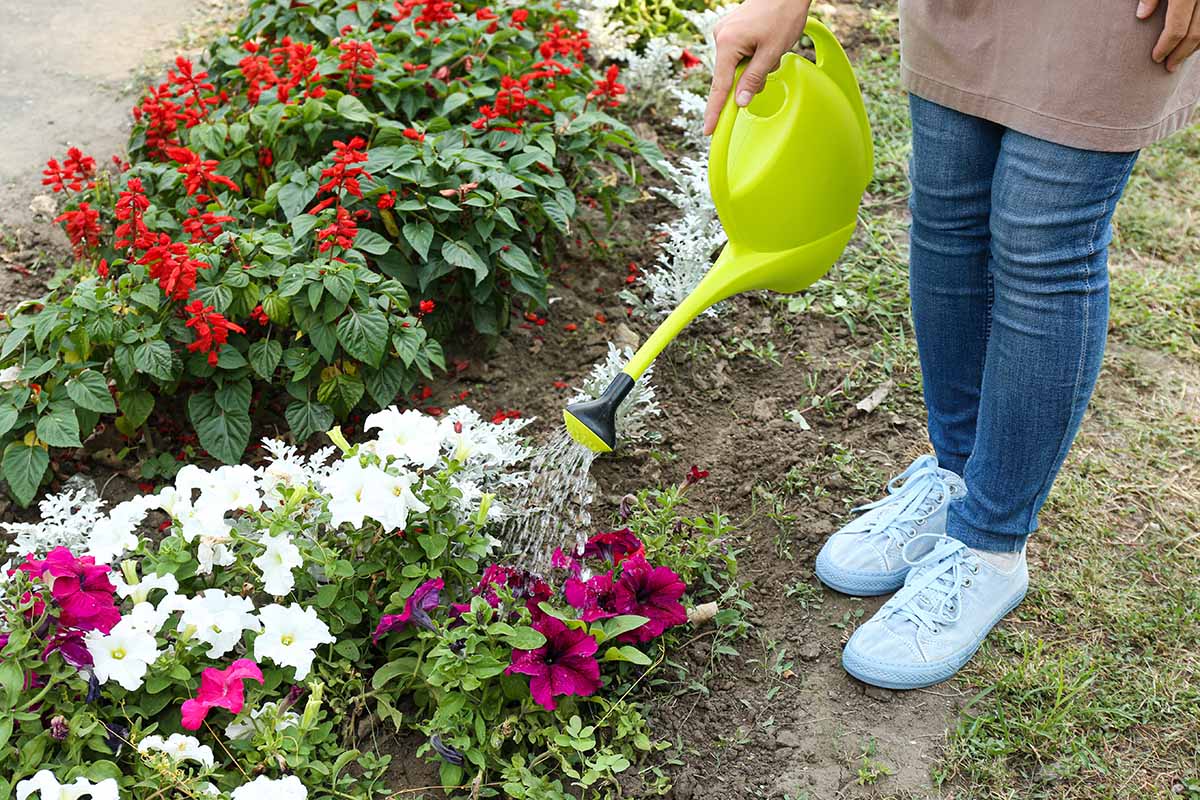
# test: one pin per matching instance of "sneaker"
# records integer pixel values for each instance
(953, 596)
(864, 558)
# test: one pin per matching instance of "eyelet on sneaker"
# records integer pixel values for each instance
(936, 631)
(966, 583)
(974, 569)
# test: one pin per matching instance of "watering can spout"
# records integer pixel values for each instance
(787, 174)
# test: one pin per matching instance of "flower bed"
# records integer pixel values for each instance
(317, 209)
(237, 653)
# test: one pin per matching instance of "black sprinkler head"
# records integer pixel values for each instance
(593, 423)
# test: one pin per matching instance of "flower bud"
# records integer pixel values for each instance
(59, 729)
(312, 709)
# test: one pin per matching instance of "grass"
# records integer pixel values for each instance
(1092, 689)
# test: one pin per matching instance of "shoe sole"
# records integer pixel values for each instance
(885, 677)
(854, 583)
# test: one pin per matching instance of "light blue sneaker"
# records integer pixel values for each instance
(951, 599)
(864, 557)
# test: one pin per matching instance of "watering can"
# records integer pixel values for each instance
(787, 173)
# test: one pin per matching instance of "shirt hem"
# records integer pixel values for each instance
(1034, 123)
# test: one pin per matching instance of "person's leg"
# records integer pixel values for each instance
(1051, 209)
(953, 158)
(1050, 228)
(953, 161)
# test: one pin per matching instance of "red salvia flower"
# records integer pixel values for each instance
(211, 330)
(197, 172)
(688, 60)
(204, 227)
(131, 206)
(344, 175)
(171, 265)
(356, 59)
(562, 41)
(83, 228)
(260, 316)
(189, 85)
(340, 233)
(71, 174)
(387, 200)
(159, 113)
(608, 88)
(414, 134)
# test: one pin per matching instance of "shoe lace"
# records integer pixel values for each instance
(912, 496)
(932, 597)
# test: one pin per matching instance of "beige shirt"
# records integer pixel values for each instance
(1075, 72)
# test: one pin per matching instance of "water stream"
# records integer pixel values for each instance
(551, 511)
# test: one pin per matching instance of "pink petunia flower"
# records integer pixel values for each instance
(564, 665)
(595, 597)
(219, 688)
(523, 585)
(70, 645)
(651, 592)
(416, 610)
(82, 590)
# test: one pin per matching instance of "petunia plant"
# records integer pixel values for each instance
(305, 216)
(241, 633)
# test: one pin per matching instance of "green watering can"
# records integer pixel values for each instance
(787, 174)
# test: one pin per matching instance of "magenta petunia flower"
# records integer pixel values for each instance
(219, 688)
(564, 665)
(614, 546)
(82, 590)
(70, 645)
(416, 610)
(651, 592)
(595, 597)
(523, 585)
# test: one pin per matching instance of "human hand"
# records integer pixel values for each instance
(761, 30)
(1181, 33)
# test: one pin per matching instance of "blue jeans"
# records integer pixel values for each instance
(1009, 285)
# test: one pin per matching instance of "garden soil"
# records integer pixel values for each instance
(778, 720)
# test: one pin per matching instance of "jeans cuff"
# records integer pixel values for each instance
(980, 540)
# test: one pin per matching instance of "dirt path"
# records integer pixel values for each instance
(65, 67)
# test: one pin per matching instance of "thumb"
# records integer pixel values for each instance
(755, 76)
(1145, 8)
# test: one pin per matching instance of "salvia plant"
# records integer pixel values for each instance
(246, 633)
(305, 216)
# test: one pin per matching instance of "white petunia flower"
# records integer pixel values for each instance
(9, 376)
(277, 562)
(218, 619)
(47, 787)
(264, 788)
(145, 617)
(214, 551)
(123, 655)
(390, 499)
(243, 728)
(113, 535)
(140, 592)
(346, 486)
(290, 635)
(179, 747)
(410, 436)
(233, 486)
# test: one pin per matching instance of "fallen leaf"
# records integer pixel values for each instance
(872, 401)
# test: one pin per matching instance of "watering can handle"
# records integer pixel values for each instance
(831, 59)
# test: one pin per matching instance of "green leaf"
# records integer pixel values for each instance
(59, 427)
(623, 624)
(371, 242)
(628, 653)
(293, 197)
(264, 357)
(224, 434)
(8, 418)
(89, 390)
(24, 467)
(364, 334)
(420, 236)
(407, 342)
(517, 259)
(154, 359)
(461, 254)
(384, 383)
(302, 225)
(234, 396)
(136, 405)
(351, 108)
(391, 670)
(306, 418)
(525, 638)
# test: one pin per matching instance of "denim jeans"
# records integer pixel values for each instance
(1009, 285)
